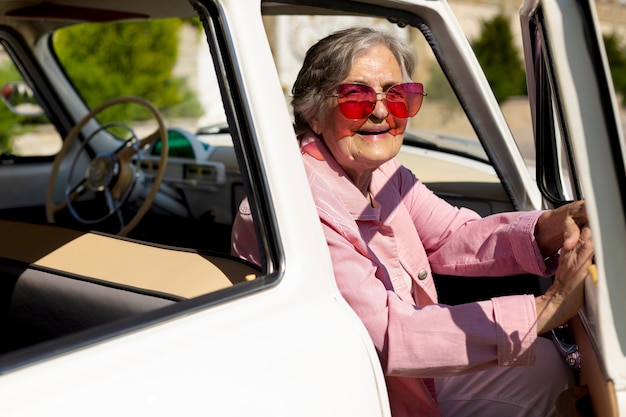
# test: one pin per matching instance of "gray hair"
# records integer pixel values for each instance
(329, 61)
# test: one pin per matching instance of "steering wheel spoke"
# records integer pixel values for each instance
(74, 192)
(114, 205)
(129, 149)
(149, 139)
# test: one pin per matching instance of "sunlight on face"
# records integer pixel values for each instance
(361, 146)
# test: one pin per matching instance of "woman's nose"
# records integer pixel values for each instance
(380, 109)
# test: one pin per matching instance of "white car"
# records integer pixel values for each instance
(133, 129)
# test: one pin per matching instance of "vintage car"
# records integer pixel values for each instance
(120, 176)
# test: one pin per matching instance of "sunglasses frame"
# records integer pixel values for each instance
(362, 109)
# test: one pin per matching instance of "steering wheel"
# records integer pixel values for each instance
(112, 175)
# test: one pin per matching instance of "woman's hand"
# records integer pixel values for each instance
(560, 228)
(563, 299)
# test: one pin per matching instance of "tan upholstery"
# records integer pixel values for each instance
(55, 281)
(181, 273)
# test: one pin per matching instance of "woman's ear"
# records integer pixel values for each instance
(315, 125)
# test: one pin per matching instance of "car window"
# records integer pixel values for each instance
(441, 145)
(441, 120)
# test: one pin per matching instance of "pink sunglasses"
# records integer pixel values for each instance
(357, 101)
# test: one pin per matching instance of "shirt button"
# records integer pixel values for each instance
(423, 274)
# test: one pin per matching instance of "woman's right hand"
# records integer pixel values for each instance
(565, 296)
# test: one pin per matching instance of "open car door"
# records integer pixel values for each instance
(580, 155)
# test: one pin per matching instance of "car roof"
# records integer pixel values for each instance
(36, 17)
(63, 12)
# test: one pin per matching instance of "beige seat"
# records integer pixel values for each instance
(55, 281)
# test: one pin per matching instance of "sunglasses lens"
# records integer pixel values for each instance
(356, 101)
(404, 100)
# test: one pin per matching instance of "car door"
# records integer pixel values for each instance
(580, 154)
(281, 343)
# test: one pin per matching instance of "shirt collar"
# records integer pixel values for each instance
(325, 165)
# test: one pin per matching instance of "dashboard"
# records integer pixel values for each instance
(201, 179)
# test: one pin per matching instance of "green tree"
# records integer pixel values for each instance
(616, 54)
(133, 58)
(500, 59)
(439, 88)
(10, 123)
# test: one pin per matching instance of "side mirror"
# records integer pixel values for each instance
(20, 99)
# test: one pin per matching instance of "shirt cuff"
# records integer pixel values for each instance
(516, 329)
(524, 245)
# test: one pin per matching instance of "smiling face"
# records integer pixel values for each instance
(361, 146)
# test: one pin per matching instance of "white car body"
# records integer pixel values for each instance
(288, 344)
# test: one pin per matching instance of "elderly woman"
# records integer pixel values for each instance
(387, 233)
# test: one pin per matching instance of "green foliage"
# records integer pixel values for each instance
(616, 54)
(500, 58)
(136, 58)
(10, 123)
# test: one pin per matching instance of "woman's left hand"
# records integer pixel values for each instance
(560, 228)
(565, 296)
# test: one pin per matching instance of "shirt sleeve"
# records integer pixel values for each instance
(435, 340)
(459, 242)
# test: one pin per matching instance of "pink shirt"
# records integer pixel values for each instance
(384, 258)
